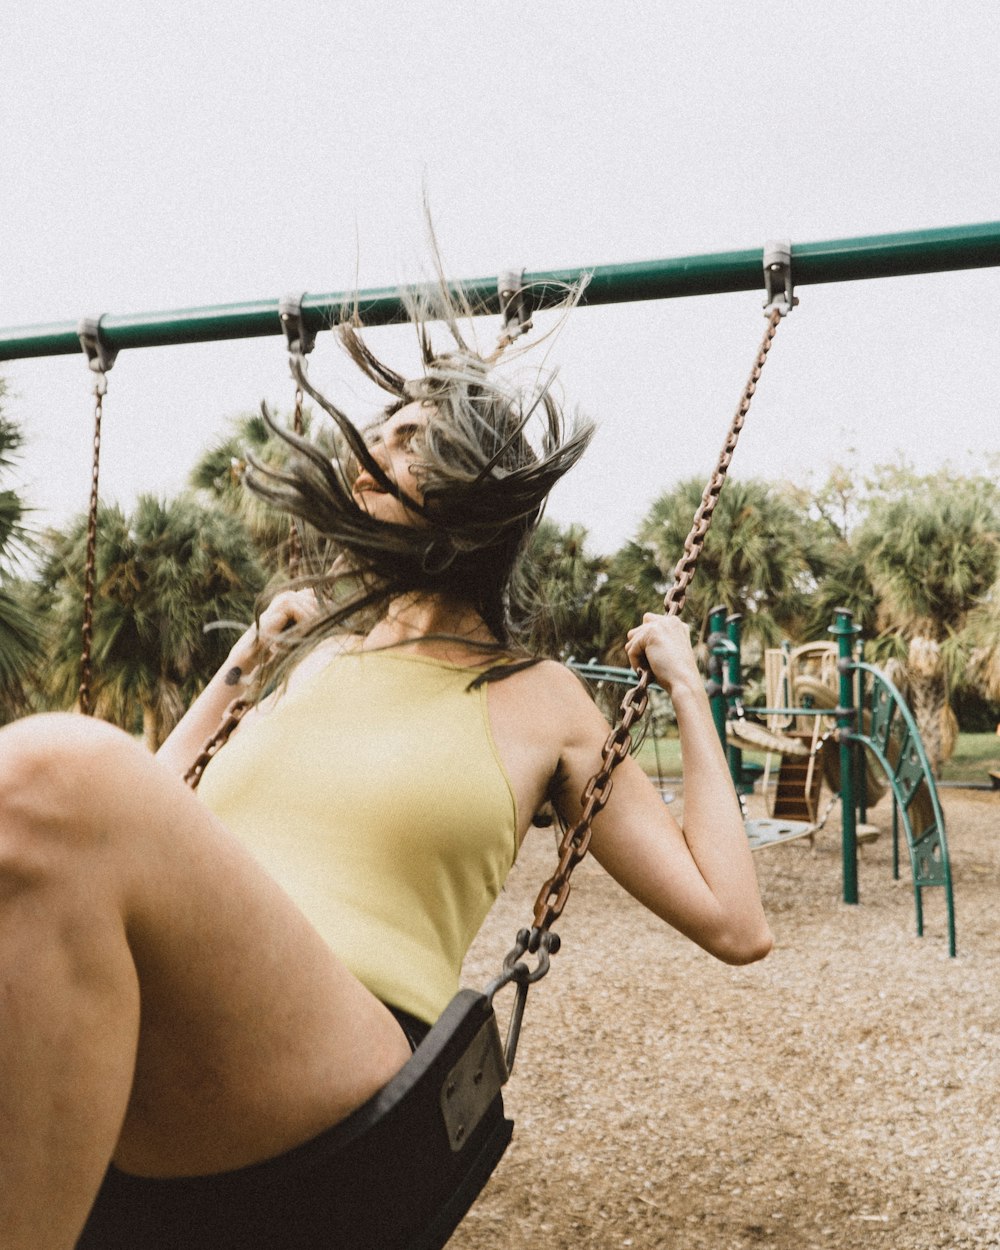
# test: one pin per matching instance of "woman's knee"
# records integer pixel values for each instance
(52, 768)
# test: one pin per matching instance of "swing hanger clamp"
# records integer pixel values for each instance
(515, 305)
(301, 340)
(101, 356)
(779, 295)
(541, 942)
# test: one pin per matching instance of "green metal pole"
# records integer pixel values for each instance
(860, 759)
(717, 700)
(844, 630)
(839, 260)
(735, 687)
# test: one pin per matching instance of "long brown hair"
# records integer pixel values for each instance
(495, 443)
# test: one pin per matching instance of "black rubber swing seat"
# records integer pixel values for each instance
(397, 1174)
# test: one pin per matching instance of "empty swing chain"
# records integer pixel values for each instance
(576, 839)
(100, 358)
(90, 564)
(300, 340)
(294, 537)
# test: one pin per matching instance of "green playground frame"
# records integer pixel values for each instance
(872, 717)
(839, 260)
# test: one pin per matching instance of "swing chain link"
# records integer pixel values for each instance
(90, 563)
(685, 568)
(100, 358)
(232, 716)
(301, 340)
(294, 536)
(576, 839)
(544, 945)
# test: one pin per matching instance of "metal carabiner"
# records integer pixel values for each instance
(545, 944)
(515, 305)
(101, 356)
(779, 295)
(301, 340)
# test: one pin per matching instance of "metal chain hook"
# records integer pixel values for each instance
(515, 307)
(778, 288)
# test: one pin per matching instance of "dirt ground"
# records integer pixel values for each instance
(845, 1092)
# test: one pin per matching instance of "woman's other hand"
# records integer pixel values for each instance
(288, 609)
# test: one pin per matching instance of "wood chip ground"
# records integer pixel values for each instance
(843, 1093)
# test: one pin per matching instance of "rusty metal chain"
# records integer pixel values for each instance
(90, 565)
(685, 566)
(300, 340)
(232, 716)
(294, 536)
(576, 839)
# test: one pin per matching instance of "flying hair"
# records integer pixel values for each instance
(495, 443)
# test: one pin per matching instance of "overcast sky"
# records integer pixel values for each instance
(161, 157)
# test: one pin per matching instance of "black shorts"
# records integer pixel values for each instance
(270, 1205)
(413, 1029)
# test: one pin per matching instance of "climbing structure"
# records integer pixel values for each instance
(870, 731)
(890, 733)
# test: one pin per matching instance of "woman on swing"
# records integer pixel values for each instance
(194, 983)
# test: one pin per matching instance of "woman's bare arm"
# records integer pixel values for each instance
(701, 878)
(233, 679)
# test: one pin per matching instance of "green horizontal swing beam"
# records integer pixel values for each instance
(841, 260)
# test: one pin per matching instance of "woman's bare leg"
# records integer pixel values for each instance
(163, 1001)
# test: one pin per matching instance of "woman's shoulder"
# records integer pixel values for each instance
(550, 684)
(558, 676)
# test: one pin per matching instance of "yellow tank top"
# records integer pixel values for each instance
(375, 796)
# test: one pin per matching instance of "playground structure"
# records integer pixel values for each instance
(859, 730)
(872, 725)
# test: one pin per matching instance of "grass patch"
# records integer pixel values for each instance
(974, 756)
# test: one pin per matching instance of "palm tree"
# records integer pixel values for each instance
(633, 584)
(762, 557)
(564, 578)
(163, 574)
(846, 583)
(932, 554)
(218, 477)
(20, 644)
(982, 637)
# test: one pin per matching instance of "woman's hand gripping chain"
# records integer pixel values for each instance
(286, 610)
(663, 645)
